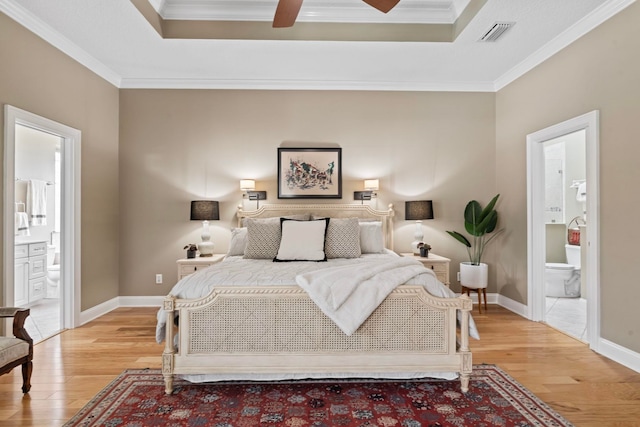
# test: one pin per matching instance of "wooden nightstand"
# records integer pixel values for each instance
(186, 266)
(439, 265)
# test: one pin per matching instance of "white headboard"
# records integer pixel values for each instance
(363, 212)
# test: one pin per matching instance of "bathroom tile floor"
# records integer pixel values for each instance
(568, 315)
(44, 319)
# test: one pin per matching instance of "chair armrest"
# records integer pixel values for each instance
(19, 317)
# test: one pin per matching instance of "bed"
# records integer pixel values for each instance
(275, 326)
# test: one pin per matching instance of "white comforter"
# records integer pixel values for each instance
(236, 271)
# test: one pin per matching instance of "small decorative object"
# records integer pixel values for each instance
(573, 234)
(191, 248)
(309, 173)
(424, 249)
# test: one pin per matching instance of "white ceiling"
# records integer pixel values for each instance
(113, 39)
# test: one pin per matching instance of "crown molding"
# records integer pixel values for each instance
(263, 84)
(57, 40)
(573, 33)
(408, 11)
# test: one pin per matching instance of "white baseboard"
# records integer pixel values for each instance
(98, 310)
(617, 353)
(117, 302)
(608, 349)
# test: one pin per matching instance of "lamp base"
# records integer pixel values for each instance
(205, 249)
(414, 247)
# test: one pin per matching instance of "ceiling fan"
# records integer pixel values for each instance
(287, 10)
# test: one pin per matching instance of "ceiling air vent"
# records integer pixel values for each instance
(496, 31)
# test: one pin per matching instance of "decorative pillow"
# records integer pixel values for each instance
(276, 219)
(302, 240)
(263, 239)
(343, 238)
(238, 242)
(371, 239)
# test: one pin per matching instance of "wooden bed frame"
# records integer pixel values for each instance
(247, 330)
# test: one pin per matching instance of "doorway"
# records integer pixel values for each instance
(537, 219)
(21, 285)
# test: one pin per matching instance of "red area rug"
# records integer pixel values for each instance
(137, 398)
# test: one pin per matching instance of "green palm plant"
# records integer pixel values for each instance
(478, 222)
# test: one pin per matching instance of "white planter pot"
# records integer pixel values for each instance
(474, 276)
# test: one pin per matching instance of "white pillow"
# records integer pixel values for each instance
(371, 239)
(302, 240)
(238, 242)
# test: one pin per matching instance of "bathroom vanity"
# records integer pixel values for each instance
(30, 271)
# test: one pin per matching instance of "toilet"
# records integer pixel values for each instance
(563, 280)
(53, 272)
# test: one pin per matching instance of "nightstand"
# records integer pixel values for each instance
(186, 266)
(439, 265)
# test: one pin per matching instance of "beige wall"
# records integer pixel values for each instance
(38, 78)
(598, 72)
(181, 145)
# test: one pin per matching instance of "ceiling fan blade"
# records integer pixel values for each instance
(286, 13)
(382, 5)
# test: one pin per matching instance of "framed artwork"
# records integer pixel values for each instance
(309, 173)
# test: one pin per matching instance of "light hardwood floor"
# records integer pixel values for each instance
(70, 368)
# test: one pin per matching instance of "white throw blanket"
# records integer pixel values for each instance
(37, 201)
(349, 294)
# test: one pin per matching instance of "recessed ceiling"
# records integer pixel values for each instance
(320, 20)
(115, 40)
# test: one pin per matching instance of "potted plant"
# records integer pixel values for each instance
(479, 223)
(191, 250)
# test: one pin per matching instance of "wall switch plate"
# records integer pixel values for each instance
(158, 279)
(458, 276)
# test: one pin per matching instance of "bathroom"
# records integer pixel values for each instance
(565, 222)
(37, 230)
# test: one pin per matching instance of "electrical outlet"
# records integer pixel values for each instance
(458, 276)
(158, 279)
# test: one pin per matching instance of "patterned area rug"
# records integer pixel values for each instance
(137, 398)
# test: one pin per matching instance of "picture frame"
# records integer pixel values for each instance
(309, 173)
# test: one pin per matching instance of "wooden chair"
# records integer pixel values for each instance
(17, 350)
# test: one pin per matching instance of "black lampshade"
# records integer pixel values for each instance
(418, 210)
(204, 210)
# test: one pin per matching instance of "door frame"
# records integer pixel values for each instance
(70, 271)
(536, 239)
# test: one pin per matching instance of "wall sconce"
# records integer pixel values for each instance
(417, 211)
(249, 186)
(205, 211)
(370, 185)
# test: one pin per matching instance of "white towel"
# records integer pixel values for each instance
(37, 201)
(581, 196)
(22, 224)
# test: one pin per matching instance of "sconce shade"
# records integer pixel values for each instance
(371, 184)
(204, 210)
(418, 210)
(247, 184)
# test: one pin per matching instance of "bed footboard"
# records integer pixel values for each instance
(279, 330)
